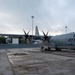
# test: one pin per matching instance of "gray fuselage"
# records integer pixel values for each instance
(64, 41)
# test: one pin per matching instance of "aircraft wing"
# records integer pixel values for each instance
(19, 35)
(34, 37)
(12, 35)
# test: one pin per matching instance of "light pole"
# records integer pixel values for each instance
(66, 28)
(32, 23)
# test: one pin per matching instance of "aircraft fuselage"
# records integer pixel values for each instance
(64, 41)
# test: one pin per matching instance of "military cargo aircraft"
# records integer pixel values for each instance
(64, 41)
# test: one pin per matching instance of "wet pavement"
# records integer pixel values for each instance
(5, 65)
(30, 61)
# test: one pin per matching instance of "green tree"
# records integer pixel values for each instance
(2, 40)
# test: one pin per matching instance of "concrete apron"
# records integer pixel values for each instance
(5, 65)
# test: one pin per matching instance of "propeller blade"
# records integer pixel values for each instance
(24, 31)
(46, 38)
(47, 33)
(28, 32)
(43, 33)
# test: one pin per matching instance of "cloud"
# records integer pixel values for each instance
(52, 15)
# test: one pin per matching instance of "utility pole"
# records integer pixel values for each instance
(32, 23)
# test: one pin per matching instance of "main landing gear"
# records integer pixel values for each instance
(58, 49)
(46, 49)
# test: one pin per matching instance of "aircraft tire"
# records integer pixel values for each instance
(58, 49)
(42, 48)
(49, 48)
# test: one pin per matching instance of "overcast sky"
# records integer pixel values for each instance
(52, 15)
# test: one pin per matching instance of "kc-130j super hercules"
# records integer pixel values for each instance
(64, 41)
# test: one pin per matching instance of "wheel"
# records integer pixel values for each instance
(58, 49)
(49, 48)
(42, 48)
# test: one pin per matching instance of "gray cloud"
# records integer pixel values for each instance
(52, 15)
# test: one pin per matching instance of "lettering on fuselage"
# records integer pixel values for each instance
(71, 39)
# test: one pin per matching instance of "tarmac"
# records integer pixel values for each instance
(5, 65)
(31, 61)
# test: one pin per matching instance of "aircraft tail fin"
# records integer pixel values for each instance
(36, 31)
